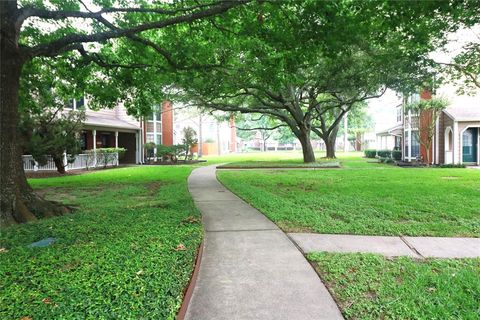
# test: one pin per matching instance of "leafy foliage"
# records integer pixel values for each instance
(114, 257)
(52, 132)
(370, 153)
(364, 284)
(189, 140)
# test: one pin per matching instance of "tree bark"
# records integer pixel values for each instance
(307, 149)
(330, 140)
(59, 165)
(18, 202)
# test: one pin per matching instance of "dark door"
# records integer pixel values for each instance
(469, 145)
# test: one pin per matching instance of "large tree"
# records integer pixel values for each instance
(66, 31)
(305, 62)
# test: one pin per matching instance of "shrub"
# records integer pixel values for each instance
(452, 165)
(149, 148)
(384, 153)
(397, 155)
(170, 153)
(108, 156)
(370, 153)
(385, 160)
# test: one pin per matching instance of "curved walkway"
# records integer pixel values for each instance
(249, 268)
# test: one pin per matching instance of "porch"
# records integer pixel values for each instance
(98, 133)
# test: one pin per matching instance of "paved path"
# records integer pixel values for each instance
(249, 268)
(427, 247)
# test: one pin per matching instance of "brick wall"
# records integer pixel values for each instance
(167, 123)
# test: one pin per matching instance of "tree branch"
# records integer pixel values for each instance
(57, 46)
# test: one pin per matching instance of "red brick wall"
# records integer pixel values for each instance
(424, 121)
(167, 123)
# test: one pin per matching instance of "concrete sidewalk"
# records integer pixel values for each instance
(249, 268)
(419, 247)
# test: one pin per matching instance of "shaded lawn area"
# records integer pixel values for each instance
(365, 198)
(127, 252)
(370, 286)
(293, 163)
(294, 156)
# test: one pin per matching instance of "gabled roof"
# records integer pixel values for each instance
(393, 131)
(464, 112)
(109, 122)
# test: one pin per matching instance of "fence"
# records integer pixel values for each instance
(81, 161)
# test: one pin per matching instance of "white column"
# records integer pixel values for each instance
(436, 141)
(456, 144)
(409, 135)
(65, 161)
(116, 144)
(94, 132)
(154, 117)
(345, 132)
(137, 155)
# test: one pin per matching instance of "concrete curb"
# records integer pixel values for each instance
(191, 285)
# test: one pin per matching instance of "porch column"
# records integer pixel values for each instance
(345, 133)
(436, 141)
(65, 161)
(137, 153)
(478, 146)
(456, 149)
(116, 145)
(409, 136)
(94, 132)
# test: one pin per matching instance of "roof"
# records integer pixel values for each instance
(464, 112)
(393, 131)
(109, 122)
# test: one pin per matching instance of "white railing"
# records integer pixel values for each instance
(81, 161)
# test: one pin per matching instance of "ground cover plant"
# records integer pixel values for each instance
(368, 286)
(292, 163)
(365, 198)
(127, 252)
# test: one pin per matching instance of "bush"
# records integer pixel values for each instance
(108, 156)
(384, 153)
(149, 148)
(452, 165)
(385, 160)
(170, 153)
(397, 155)
(370, 153)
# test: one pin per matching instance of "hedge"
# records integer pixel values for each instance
(370, 153)
(384, 153)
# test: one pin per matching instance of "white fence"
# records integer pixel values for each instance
(81, 161)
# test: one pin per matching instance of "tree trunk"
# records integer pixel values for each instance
(18, 202)
(330, 141)
(59, 165)
(307, 149)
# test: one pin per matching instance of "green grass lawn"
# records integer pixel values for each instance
(292, 163)
(369, 286)
(126, 253)
(365, 198)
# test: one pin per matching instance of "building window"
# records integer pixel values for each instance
(105, 140)
(70, 104)
(150, 137)
(154, 126)
(415, 145)
(399, 114)
(80, 104)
